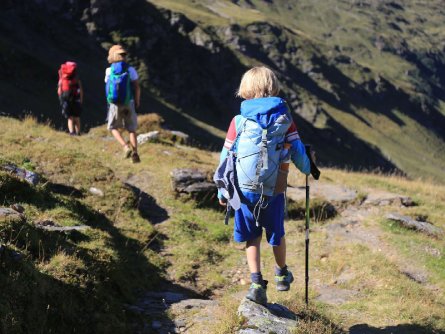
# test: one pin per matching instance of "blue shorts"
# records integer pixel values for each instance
(271, 219)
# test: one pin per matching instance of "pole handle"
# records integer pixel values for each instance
(315, 172)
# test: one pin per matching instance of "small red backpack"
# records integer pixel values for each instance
(68, 86)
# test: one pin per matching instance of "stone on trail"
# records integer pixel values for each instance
(17, 207)
(417, 276)
(183, 137)
(274, 318)
(49, 225)
(187, 312)
(381, 198)
(413, 224)
(147, 137)
(191, 181)
(8, 215)
(96, 192)
(30, 177)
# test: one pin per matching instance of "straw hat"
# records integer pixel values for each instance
(116, 53)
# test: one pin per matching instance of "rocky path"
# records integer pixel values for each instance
(357, 224)
(173, 312)
(169, 311)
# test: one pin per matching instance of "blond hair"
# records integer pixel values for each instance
(258, 82)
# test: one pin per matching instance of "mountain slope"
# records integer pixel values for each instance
(367, 70)
(363, 77)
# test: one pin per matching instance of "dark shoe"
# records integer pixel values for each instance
(257, 293)
(283, 282)
(135, 158)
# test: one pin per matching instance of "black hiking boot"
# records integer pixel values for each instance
(257, 293)
(135, 158)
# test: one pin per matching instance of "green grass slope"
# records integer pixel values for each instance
(54, 282)
(83, 280)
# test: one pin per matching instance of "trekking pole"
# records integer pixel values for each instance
(315, 172)
(228, 211)
(306, 276)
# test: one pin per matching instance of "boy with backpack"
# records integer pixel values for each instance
(123, 97)
(69, 89)
(252, 176)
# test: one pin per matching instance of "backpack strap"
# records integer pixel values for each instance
(264, 152)
(263, 162)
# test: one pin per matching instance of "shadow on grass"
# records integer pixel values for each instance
(397, 329)
(313, 322)
(63, 189)
(84, 288)
(147, 206)
(319, 211)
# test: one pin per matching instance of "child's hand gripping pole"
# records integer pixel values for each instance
(315, 172)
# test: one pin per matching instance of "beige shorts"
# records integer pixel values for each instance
(122, 117)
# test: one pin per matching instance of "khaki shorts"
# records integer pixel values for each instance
(122, 117)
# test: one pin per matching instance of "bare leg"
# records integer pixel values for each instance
(116, 134)
(279, 253)
(70, 124)
(77, 124)
(253, 254)
(134, 141)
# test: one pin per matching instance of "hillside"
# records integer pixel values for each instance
(145, 260)
(364, 77)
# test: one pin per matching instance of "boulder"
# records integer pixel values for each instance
(273, 318)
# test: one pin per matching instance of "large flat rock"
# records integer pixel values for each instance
(413, 224)
(187, 312)
(273, 318)
(380, 197)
